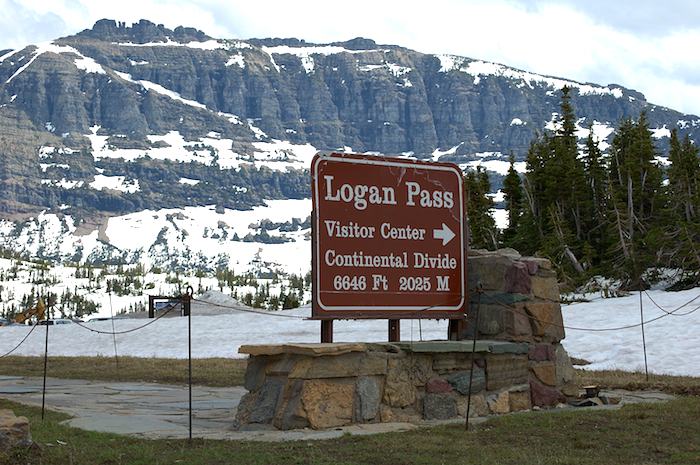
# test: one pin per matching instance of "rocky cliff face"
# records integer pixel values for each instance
(121, 118)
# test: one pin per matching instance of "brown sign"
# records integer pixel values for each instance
(388, 238)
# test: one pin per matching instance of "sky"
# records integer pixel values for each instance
(649, 46)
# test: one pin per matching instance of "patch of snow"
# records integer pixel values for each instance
(500, 216)
(236, 60)
(498, 196)
(478, 69)
(152, 86)
(497, 166)
(204, 45)
(7, 55)
(259, 133)
(450, 62)
(662, 161)
(82, 62)
(117, 183)
(517, 122)
(683, 124)
(89, 65)
(189, 182)
(45, 166)
(281, 155)
(12, 99)
(63, 183)
(659, 133)
(137, 63)
(50, 127)
(437, 153)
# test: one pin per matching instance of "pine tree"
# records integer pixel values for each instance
(683, 231)
(513, 196)
(595, 218)
(636, 200)
(556, 196)
(484, 233)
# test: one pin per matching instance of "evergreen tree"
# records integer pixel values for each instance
(636, 200)
(484, 233)
(684, 178)
(513, 196)
(595, 218)
(683, 229)
(556, 197)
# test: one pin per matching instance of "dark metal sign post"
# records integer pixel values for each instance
(387, 240)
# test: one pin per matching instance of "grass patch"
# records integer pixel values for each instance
(636, 381)
(217, 372)
(667, 433)
(227, 372)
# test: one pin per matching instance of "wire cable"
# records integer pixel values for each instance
(20, 342)
(575, 328)
(245, 310)
(673, 312)
(127, 330)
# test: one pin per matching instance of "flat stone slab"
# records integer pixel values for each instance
(312, 350)
(19, 390)
(135, 425)
(483, 346)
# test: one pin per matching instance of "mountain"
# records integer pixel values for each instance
(126, 142)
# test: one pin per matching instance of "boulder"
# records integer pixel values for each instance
(545, 288)
(14, 431)
(399, 390)
(499, 403)
(519, 400)
(291, 413)
(546, 320)
(266, 401)
(541, 352)
(478, 408)
(341, 366)
(439, 407)
(545, 372)
(368, 397)
(544, 396)
(504, 371)
(460, 381)
(517, 279)
(438, 386)
(328, 403)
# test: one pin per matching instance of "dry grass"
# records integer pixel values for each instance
(223, 372)
(635, 381)
(218, 372)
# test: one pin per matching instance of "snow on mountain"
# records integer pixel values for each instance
(479, 69)
(194, 236)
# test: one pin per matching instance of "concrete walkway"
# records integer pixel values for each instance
(157, 411)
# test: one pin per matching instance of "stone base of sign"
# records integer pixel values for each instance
(329, 385)
(518, 361)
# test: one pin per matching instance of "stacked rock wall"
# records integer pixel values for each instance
(518, 300)
(519, 362)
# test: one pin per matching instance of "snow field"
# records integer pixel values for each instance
(672, 341)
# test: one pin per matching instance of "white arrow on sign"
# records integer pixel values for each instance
(445, 234)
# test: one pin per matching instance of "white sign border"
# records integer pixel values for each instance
(406, 164)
